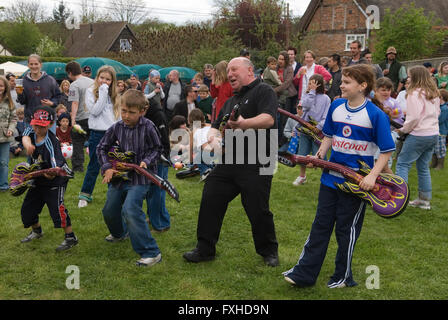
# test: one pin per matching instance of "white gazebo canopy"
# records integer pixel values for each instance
(14, 68)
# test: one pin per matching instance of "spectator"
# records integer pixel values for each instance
(185, 106)
(307, 70)
(121, 87)
(134, 82)
(104, 110)
(153, 90)
(355, 49)
(208, 71)
(60, 109)
(16, 147)
(442, 75)
(393, 69)
(366, 54)
(63, 130)
(198, 79)
(323, 62)
(39, 89)
(65, 88)
(292, 53)
(80, 113)
(87, 71)
(220, 87)
(344, 61)
(245, 53)
(270, 75)
(12, 85)
(8, 120)
(401, 98)
(174, 92)
(205, 104)
(334, 67)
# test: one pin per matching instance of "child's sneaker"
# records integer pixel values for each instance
(300, 180)
(419, 203)
(111, 238)
(67, 244)
(147, 262)
(33, 235)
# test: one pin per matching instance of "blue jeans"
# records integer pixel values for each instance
(123, 210)
(307, 145)
(94, 167)
(4, 160)
(420, 150)
(157, 212)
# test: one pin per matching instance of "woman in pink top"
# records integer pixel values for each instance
(309, 68)
(220, 88)
(422, 125)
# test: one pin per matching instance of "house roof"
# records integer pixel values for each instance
(439, 7)
(93, 39)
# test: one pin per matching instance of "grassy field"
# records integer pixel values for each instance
(410, 251)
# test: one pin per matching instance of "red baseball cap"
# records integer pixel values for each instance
(42, 116)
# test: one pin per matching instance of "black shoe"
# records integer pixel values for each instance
(271, 261)
(161, 230)
(67, 244)
(195, 256)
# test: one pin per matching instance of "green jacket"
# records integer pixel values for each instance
(394, 71)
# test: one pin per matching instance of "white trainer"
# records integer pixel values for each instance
(299, 180)
(419, 203)
(82, 203)
(147, 262)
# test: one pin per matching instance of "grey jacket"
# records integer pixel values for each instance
(8, 120)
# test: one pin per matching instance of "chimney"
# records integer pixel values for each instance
(91, 31)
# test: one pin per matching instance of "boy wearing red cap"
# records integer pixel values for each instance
(43, 147)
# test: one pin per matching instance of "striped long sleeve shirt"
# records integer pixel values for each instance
(143, 140)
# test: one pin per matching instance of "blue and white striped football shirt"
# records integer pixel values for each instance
(357, 134)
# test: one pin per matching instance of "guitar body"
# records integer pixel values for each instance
(121, 161)
(308, 128)
(23, 175)
(388, 198)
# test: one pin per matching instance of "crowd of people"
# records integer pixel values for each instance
(398, 114)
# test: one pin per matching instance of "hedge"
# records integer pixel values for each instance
(4, 59)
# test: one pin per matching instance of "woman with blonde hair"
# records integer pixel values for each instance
(65, 87)
(220, 88)
(8, 120)
(103, 104)
(422, 127)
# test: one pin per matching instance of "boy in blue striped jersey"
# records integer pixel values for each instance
(43, 147)
(354, 129)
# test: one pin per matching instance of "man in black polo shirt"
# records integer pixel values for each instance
(251, 177)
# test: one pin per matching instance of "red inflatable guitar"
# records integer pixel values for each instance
(308, 128)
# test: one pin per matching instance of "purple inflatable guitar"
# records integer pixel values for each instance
(121, 161)
(388, 198)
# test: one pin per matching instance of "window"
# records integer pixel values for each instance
(125, 45)
(349, 38)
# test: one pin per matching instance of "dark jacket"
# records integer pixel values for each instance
(157, 116)
(394, 71)
(336, 81)
(181, 108)
(166, 90)
(34, 91)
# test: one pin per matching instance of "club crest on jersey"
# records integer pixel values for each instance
(346, 131)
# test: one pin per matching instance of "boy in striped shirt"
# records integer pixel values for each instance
(123, 211)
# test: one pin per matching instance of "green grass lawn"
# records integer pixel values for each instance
(410, 251)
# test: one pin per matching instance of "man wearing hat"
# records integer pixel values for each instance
(393, 69)
(87, 71)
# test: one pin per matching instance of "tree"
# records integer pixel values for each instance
(25, 11)
(61, 13)
(90, 14)
(130, 11)
(22, 38)
(49, 48)
(410, 31)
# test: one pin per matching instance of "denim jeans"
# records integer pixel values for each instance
(94, 167)
(157, 212)
(4, 160)
(123, 210)
(420, 150)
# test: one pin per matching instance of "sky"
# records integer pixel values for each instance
(173, 11)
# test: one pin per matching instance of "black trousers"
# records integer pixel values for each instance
(223, 184)
(39, 196)
(336, 209)
(78, 141)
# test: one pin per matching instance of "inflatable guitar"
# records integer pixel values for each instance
(388, 198)
(23, 175)
(122, 161)
(308, 128)
(233, 115)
